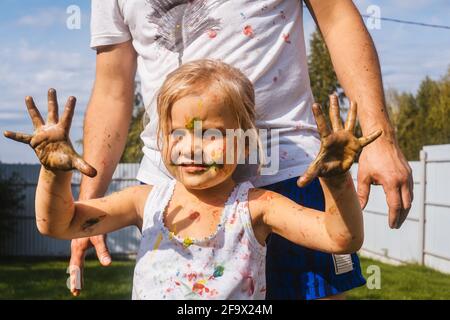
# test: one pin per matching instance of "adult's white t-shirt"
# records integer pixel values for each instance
(263, 38)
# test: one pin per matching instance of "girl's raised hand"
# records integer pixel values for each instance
(339, 147)
(51, 140)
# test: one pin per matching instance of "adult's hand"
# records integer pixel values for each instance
(383, 163)
(78, 250)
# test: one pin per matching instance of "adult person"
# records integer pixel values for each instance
(265, 40)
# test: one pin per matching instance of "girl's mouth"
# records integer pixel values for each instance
(194, 168)
(198, 168)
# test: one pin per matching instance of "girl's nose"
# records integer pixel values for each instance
(191, 147)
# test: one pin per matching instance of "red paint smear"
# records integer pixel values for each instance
(248, 31)
(192, 276)
(194, 215)
(212, 33)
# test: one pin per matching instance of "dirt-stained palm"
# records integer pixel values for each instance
(51, 140)
(339, 147)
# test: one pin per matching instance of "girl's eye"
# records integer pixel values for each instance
(212, 134)
(178, 134)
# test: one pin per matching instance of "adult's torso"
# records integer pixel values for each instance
(262, 38)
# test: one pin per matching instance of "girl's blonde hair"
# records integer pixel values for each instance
(197, 76)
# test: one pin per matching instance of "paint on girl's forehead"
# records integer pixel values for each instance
(190, 123)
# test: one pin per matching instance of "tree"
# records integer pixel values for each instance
(11, 201)
(422, 119)
(408, 123)
(321, 72)
(438, 112)
(133, 148)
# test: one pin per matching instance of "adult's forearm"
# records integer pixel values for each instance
(358, 69)
(105, 134)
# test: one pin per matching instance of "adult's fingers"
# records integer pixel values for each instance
(322, 126)
(351, 117)
(406, 193)
(34, 113)
(66, 119)
(78, 248)
(84, 167)
(394, 201)
(101, 249)
(364, 141)
(363, 190)
(335, 116)
(18, 136)
(52, 116)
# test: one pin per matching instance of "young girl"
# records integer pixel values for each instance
(203, 234)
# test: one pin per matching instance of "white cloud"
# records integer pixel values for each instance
(31, 70)
(43, 18)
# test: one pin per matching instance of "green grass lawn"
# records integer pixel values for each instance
(47, 280)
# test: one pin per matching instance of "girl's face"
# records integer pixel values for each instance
(196, 151)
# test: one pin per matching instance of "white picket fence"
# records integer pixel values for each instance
(27, 241)
(424, 238)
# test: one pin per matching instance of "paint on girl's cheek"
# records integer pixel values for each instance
(217, 155)
(190, 124)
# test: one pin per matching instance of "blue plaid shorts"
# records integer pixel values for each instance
(295, 272)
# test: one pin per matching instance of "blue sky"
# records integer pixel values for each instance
(38, 51)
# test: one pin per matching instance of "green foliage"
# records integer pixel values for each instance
(422, 119)
(321, 72)
(11, 200)
(133, 149)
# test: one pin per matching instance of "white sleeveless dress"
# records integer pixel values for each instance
(229, 264)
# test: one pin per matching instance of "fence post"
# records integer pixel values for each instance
(421, 205)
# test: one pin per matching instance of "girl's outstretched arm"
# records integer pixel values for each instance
(57, 215)
(340, 228)
(337, 230)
